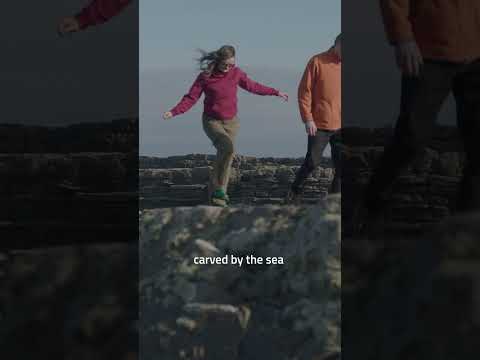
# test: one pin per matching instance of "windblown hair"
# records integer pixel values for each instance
(210, 60)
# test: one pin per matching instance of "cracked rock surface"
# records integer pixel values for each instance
(289, 311)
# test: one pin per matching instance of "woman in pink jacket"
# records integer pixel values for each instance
(219, 80)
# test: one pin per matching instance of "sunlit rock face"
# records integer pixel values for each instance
(282, 311)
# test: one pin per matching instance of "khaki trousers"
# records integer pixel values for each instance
(222, 133)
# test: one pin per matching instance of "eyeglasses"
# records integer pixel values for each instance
(226, 65)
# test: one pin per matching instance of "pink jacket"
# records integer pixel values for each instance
(220, 93)
(99, 11)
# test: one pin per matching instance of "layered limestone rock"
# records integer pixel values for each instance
(227, 311)
(75, 183)
(115, 136)
(201, 160)
(413, 297)
(424, 193)
(49, 198)
(183, 181)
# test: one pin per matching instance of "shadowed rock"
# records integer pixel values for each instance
(413, 297)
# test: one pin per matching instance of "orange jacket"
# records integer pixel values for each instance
(444, 29)
(319, 92)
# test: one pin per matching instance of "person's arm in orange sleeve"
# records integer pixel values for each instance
(305, 100)
(305, 92)
(395, 15)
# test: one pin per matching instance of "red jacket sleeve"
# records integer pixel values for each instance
(190, 98)
(254, 87)
(100, 11)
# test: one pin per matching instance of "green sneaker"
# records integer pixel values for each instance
(219, 194)
(219, 198)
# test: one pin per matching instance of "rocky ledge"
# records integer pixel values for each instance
(120, 135)
(424, 194)
(226, 311)
(75, 184)
(183, 181)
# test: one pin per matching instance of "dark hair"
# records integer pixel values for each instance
(210, 60)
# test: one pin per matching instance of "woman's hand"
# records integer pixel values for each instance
(68, 25)
(283, 95)
(167, 115)
(310, 128)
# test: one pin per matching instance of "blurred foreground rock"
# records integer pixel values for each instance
(219, 312)
(72, 303)
(413, 296)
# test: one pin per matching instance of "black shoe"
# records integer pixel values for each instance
(367, 223)
(292, 198)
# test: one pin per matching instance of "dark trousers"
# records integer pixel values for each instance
(421, 101)
(316, 146)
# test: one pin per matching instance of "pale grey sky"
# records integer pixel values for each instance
(90, 76)
(273, 33)
(274, 40)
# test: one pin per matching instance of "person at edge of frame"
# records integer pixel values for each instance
(95, 13)
(437, 49)
(219, 79)
(319, 100)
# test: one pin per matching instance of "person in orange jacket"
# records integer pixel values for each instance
(319, 100)
(437, 48)
(96, 12)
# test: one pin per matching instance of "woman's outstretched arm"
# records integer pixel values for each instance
(100, 11)
(254, 87)
(190, 98)
(96, 12)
